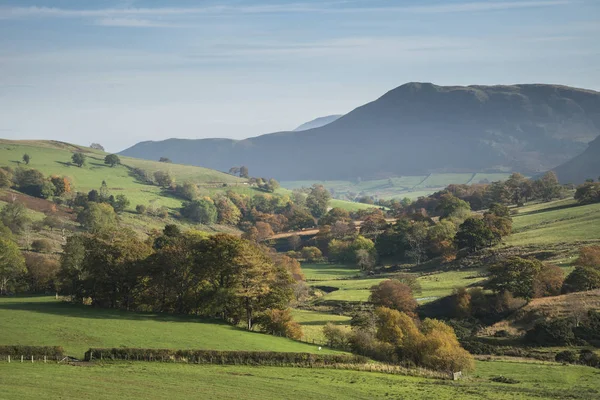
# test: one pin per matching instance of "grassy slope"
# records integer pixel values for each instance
(45, 321)
(555, 222)
(182, 381)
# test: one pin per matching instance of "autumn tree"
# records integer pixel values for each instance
(525, 278)
(474, 234)
(280, 323)
(78, 159)
(97, 217)
(548, 187)
(334, 215)
(227, 212)
(395, 295)
(62, 185)
(582, 279)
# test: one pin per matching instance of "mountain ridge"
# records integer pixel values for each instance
(413, 129)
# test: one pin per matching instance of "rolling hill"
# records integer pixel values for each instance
(415, 129)
(584, 166)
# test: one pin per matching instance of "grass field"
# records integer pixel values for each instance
(556, 222)
(398, 187)
(183, 381)
(442, 284)
(44, 321)
(313, 322)
(325, 272)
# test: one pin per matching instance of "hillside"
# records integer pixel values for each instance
(415, 129)
(317, 123)
(44, 321)
(584, 166)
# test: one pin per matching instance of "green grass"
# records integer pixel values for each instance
(442, 284)
(350, 289)
(313, 322)
(556, 222)
(45, 321)
(183, 381)
(325, 272)
(53, 158)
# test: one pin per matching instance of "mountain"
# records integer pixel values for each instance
(415, 129)
(317, 123)
(584, 166)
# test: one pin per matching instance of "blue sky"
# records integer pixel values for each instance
(122, 71)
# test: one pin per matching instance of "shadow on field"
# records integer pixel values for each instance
(544, 210)
(68, 310)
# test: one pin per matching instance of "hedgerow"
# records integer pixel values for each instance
(29, 351)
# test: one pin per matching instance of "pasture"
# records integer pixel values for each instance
(44, 321)
(183, 381)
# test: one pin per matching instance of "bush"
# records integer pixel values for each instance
(589, 358)
(141, 209)
(35, 351)
(223, 357)
(567, 356)
(42, 246)
(337, 337)
(280, 323)
(312, 254)
(558, 332)
(395, 295)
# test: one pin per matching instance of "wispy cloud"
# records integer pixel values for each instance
(134, 23)
(258, 8)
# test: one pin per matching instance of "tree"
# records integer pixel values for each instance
(244, 172)
(318, 200)
(165, 160)
(5, 178)
(112, 160)
(78, 159)
(417, 239)
(97, 146)
(280, 323)
(334, 215)
(548, 282)
(589, 256)
(120, 203)
(228, 213)
(42, 246)
(53, 222)
(450, 206)
(582, 279)
(548, 187)
(312, 254)
(140, 209)
(14, 216)
(522, 277)
(42, 271)
(188, 191)
(462, 302)
(395, 295)
(588, 193)
(365, 260)
(29, 181)
(163, 179)
(202, 211)
(234, 171)
(12, 263)
(474, 234)
(62, 185)
(294, 242)
(26, 158)
(517, 188)
(299, 218)
(97, 217)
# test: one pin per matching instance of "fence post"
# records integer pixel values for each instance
(44, 359)
(21, 358)
(32, 359)
(9, 359)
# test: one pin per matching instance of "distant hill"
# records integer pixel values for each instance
(584, 166)
(415, 129)
(317, 123)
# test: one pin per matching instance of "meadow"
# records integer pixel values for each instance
(553, 223)
(411, 187)
(44, 321)
(183, 381)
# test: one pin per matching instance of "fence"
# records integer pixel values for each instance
(31, 359)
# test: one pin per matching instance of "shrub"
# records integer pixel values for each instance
(589, 358)
(312, 254)
(395, 295)
(28, 351)
(557, 332)
(566, 356)
(42, 246)
(223, 357)
(337, 337)
(280, 323)
(140, 209)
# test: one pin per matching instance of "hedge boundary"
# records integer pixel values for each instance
(32, 351)
(222, 357)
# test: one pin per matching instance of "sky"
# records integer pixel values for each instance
(118, 72)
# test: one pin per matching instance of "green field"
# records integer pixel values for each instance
(556, 222)
(442, 284)
(183, 381)
(325, 272)
(313, 322)
(44, 321)
(398, 187)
